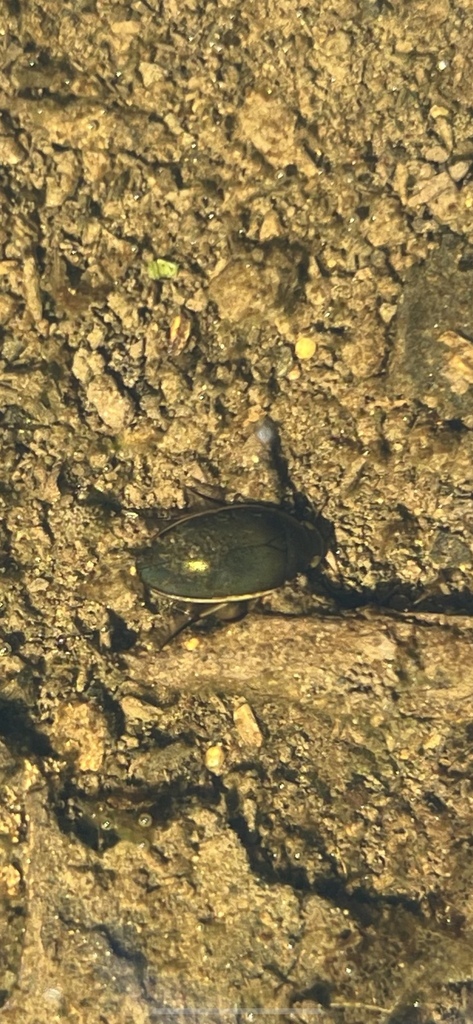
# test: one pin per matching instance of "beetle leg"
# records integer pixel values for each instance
(226, 611)
(229, 611)
(179, 622)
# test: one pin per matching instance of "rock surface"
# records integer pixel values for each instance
(273, 814)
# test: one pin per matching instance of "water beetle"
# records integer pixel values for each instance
(231, 554)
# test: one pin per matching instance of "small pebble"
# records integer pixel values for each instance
(215, 758)
(267, 432)
(247, 726)
(459, 170)
(192, 643)
(387, 311)
(305, 347)
(179, 333)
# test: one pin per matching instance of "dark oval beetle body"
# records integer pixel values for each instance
(230, 553)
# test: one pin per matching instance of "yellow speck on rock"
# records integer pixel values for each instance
(215, 758)
(305, 347)
(192, 643)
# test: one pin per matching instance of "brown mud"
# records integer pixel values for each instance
(274, 814)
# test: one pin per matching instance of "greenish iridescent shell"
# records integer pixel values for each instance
(231, 553)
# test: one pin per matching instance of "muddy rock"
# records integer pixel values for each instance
(272, 814)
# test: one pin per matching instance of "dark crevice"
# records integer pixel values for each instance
(101, 820)
(361, 904)
(19, 731)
